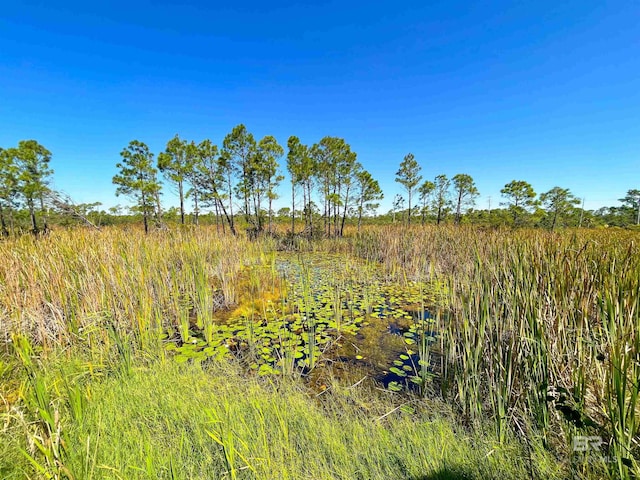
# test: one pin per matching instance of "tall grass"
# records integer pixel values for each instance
(544, 329)
(185, 422)
(60, 287)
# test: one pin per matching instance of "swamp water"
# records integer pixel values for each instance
(322, 315)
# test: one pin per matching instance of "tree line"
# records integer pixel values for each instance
(24, 180)
(241, 179)
(245, 173)
(522, 206)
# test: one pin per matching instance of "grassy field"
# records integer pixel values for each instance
(186, 354)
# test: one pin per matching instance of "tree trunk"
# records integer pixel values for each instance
(336, 211)
(3, 225)
(258, 207)
(245, 191)
(458, 207)
(196, 211)
(215, 206)
(181, 192)
(409, 216)
(45, 226)
(230, 216)
(344, 212)
(158, 210)
(293, 208)
(326, 200)
(270, 209)
(32, 214)
(304, 207)
(145, 208)
(309, 212)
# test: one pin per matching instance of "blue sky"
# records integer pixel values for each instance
(547, 92)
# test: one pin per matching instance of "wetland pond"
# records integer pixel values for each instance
(322, 315)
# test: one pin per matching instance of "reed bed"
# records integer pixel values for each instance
(542, 333)
(73, 283)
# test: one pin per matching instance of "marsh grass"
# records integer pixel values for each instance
(543, 335)
(181, 421)
(57, 288)
(537, 332)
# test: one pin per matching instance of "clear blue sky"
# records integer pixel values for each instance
(547, 92)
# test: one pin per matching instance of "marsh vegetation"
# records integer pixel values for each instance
(423, 352)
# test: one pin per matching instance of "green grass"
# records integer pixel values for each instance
(182, 421)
